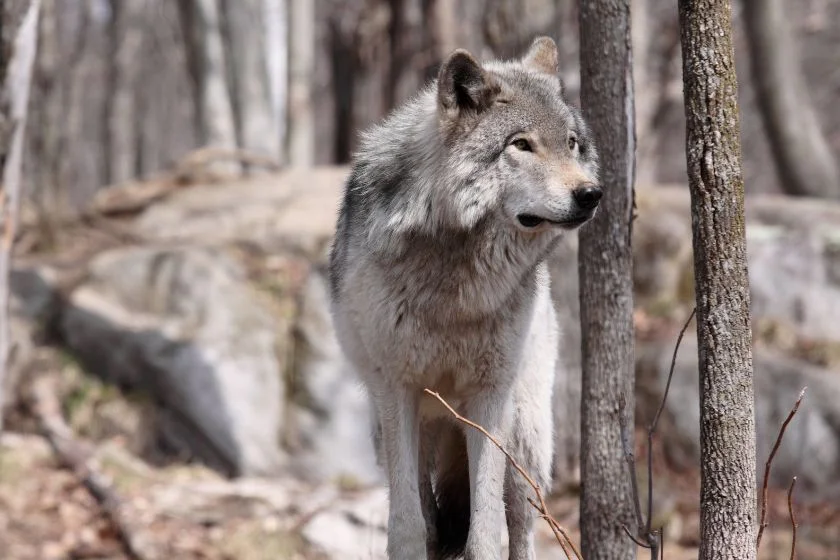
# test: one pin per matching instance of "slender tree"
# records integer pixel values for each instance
(301, 118)
(804, 161)
(713, 152)
(606, 296)
(18, 45)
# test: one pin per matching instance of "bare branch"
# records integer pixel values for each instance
(634, 539)
(655, 423)
(652, 539)
(793, 523)
(559, 532)
(762, 524)
(73, 456)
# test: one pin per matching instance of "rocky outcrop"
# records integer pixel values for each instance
(184, 326)
(219, 312)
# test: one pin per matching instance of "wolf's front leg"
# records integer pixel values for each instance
(487, 475)
(398, 416)
(531, 443)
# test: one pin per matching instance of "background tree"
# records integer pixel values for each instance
(713, 154)
(125, 38)
(804, 161)
(208, 71)
(243, 27)
(18, 45)
(606, 287)
(301, 125)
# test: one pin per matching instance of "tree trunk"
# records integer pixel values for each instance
(18, 45)
(247, 65)
(125, 39)
(277, 60)
(206, 62)
(713, 153)
(408, 60)
(606, 295)
(804, 161)
(301, 121)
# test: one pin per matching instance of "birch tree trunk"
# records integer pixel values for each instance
(18, 45)
(606, 295)
(206, 62)
(803, 159)
(301, 122)
(713, 153)
(247, 65)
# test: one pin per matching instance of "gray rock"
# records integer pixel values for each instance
(183, 325)
(353, 528)
(294, 210)
(794, 258)
(811, 446)
(332, 414)
(31, 303)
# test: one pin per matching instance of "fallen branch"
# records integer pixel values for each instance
(73, 455)
(647, 536)
(793, 523)
(763, 523)
(560, 533)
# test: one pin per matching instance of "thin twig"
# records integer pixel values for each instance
(762, 524)
(634, 539)
(655, 423)
(559, 533)
(650, 541)
(661, 534)
(647, 537)
(793, 523)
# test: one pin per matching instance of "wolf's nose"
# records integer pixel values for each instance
(587, 196)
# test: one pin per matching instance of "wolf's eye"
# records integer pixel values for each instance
(573, 143)
(522, 144)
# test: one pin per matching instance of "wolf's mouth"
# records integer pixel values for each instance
(531, 221)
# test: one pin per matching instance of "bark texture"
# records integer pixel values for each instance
(606, 297)
(804, 161)
(713, 153)
(18, 45)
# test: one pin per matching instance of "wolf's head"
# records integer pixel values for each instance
(519, 149)
(493, 144)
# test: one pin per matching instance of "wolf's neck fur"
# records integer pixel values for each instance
(468, 274)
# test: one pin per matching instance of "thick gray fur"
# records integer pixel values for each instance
(438, 280)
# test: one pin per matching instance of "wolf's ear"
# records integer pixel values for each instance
(464, 85)
(542, 56)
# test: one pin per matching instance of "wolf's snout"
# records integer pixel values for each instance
(587, 196)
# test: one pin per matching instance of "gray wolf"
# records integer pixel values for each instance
(438, 280)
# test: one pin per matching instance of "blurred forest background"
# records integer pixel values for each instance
(174, 387)
(124, 88)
